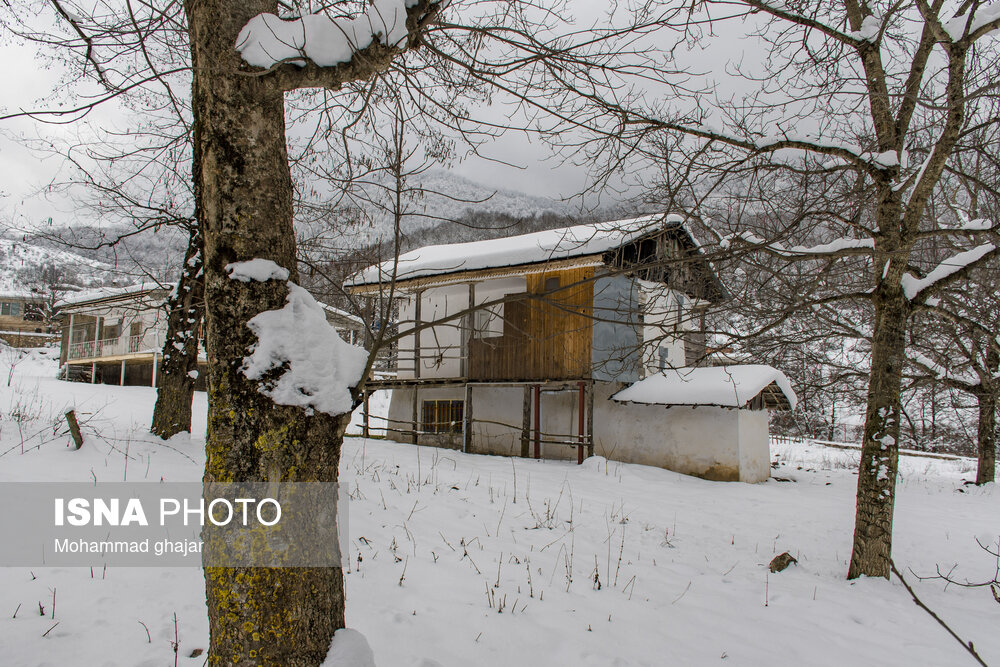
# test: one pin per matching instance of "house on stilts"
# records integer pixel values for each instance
(571, 342)
(115, 335)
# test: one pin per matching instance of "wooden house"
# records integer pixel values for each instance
(519, 346)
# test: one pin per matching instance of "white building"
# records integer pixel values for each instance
(115, 335)
(520, 346)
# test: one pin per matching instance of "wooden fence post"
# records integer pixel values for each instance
(74, 428)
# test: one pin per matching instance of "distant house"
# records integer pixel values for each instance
(582, 338)
(22, 319)
(115, 335)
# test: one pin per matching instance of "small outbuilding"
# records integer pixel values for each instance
(706, 421)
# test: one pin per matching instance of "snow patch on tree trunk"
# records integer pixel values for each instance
(260, 270)
(299, 359)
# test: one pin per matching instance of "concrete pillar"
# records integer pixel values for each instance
(93, 372)
(154, 370)
(121, 380)
(69, 337)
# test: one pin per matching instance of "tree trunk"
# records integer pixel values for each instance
(880, 448)
(986, 469)
(257, 616)
(185, 311)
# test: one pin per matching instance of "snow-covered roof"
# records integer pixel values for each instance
(342, 314)
(545, 246)
(102, 293)
(725, 386)
(13, 292)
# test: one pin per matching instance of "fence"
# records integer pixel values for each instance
(785, 440)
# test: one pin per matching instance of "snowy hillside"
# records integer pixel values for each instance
(22, 264)
(473, 560)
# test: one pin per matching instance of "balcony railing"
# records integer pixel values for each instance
(81, 350)
(109, 347)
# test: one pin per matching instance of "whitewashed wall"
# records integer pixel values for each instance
(710, 442)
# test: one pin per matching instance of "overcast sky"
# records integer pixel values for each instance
(27, 84)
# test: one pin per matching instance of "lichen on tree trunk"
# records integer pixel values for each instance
(243, 190)
(257, 616)
(185, 311)
(880, 448)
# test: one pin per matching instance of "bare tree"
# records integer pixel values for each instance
(185, 311)
(856, 113)
(956, 345)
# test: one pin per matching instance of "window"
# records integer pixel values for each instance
(488, 322)
(111, 331)
(11, 308)
(664, 354)
(443, 416)
(551, 285)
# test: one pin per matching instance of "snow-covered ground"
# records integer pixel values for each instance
(461, 559)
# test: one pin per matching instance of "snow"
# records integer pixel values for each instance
(870, 27)
(959, 26)
(550, 245)
(682, 562)
(315, 367)
(967, 224)
(814, 140)
(886, 159)
(258, 269)
(325, 40)
(341, 313)
(349, 648)
(912, 285)
(833, 247)
(726, 386)
(829, 248)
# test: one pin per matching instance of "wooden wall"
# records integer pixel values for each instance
(547, 331)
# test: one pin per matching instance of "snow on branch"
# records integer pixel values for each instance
(841, 246)
(835, 247)
(940, 372)
(299, 359)
(968, 225)
(914, 286)
(972, 23)
(268, 40)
